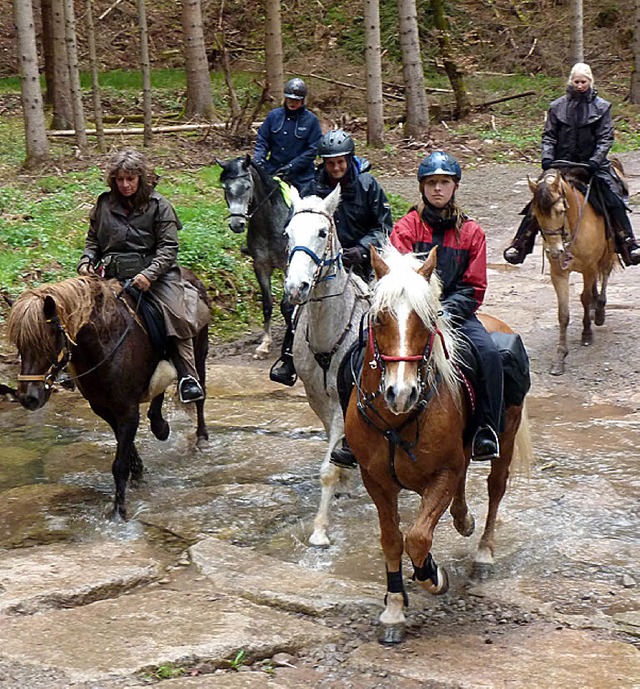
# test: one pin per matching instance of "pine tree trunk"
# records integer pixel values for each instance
(62, 101)
(463, 106)
(375, 111)
(32, 105)
(634, 95)
(577, 28)
(47, 50)
(74, 74)
(417, 122)
(199, 97)
(145, 68)
(273, 51)
(95, 80)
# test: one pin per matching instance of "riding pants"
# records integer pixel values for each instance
(489, 376)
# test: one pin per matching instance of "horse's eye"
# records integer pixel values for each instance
(322, 233)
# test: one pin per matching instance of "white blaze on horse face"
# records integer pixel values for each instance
(301, 271)
(401, 381)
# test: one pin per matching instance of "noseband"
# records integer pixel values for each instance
(247, 216)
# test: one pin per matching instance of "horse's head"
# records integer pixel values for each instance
(407, 333)
(35, 328)
(237, 184)
(315, 254)
(549, 206)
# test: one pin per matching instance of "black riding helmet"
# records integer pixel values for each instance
(336, 143)
(295, 89)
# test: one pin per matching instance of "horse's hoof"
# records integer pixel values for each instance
(160, 429)
(391, 634)
(481, 571)
(599, 318)
(319, 540)
(442, 585)
(557, 370)
(466, 526)
(260, 355)
(202, 443)
(587, 341)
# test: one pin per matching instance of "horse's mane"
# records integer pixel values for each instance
(265, 178)
(543, 197)
(402, 283)
(78, 301)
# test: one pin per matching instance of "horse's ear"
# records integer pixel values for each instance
(380, 268)
(429, 265)
(532, 184)
(217, 161)
(332, 201)
(294, 195)
(50, 309)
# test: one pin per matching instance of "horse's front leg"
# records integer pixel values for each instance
(589, 282)
(601, 298)
(330, 477)
(463, 520)
(125, 430)
(201, 348)
(159, 425)
(392, 619)
(264, 281)
(436, 497)
(560, 280)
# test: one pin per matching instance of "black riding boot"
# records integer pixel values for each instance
(283, 371)
(183, 357)
(485, 444)
(626, 244)
(522, 244)
(343, 456)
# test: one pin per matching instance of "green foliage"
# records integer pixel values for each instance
(238, 661)
(168, 671)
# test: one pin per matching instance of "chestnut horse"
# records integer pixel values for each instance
(574, 239)
(91, 328)
(406, 421)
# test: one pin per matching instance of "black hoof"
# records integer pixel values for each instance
(391, 634)
(481, 571)
(160, 429)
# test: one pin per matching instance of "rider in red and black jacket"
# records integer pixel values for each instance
(462, 267)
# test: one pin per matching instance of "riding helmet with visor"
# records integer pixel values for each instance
(295, 89)
(439, 163)
(336, 143)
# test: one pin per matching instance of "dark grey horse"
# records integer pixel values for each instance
(256, 204)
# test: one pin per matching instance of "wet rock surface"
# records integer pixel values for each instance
(211, 582)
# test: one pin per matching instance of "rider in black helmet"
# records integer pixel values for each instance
(363, 218)
(287, 139)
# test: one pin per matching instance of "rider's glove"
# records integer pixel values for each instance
(354, 256)
(546, 163)
(86, 268)
(283, 172)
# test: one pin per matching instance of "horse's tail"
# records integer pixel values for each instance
(523, 456)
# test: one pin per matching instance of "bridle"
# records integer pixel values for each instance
(48, 378)
(327, 260)
(246, 215)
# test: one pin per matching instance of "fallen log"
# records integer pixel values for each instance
(140, 130)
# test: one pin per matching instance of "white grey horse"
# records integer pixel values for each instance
(331, 303)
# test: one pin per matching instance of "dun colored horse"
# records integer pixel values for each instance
(574, 239)
(256, 204)
(91, 328)
(406, 421)
(332, 303)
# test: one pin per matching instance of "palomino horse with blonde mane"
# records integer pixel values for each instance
(91, 328)
(406, 424)
(574, 240)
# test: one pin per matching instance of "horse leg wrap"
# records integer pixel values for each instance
(429, 570)
(395, 584)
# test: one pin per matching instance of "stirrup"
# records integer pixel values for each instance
(491, 445)
(283, 372)
(343, 457)
(190, 390)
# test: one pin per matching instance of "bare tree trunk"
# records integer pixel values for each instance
(61, 86)
(417, 122)
(47, 49)
(74, 74)
(463, 106)
(145, 68)
(199, 98)
(32, 105)
(95, 80)
(634, 95)
(577, 25)
(375, 112)
(226, 68)
(273, 51)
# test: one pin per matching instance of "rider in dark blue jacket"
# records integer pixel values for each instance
(288, 138)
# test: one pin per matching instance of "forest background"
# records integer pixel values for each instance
(504, 48)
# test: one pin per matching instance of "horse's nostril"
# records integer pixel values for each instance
(30, 402)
